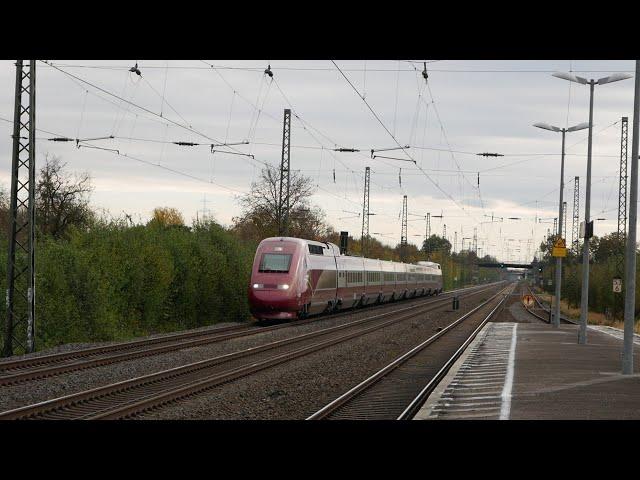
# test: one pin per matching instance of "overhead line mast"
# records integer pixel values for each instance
(575, 228)
(403, 233)
(21, 257)
(365, 213)
(618, 298)
(285, 170)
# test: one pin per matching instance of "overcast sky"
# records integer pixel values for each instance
(468, 107)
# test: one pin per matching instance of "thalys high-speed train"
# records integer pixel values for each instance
(293, 278)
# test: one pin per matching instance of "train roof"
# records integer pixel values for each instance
(300, 241)
(304, 242)
(428, 264)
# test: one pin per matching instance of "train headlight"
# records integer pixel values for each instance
(283, 287)
(258, 285)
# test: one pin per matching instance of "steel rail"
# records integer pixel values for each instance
(224, 377)
(54, 364)
(376, 377)
(132, 402)
(53, 357)
(541, 306)
(415, 405)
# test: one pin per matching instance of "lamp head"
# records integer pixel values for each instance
(571, 77)
(546, 126)
(614, 78)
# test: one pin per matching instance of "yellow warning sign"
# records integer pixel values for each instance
(559, 248)
(558, 252)
(560, 243)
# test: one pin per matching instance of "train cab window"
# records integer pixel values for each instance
(275, 263)
(316, 249)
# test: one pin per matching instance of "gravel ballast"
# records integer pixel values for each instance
(40, 390)
(298, 388)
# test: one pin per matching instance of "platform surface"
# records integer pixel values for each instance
(552, 376)
(556, 378)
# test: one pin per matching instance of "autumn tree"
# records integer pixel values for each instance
(259, 218)
(62, 199)
(436, 244)
(167, 217)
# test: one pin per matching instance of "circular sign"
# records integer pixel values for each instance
(528, 301)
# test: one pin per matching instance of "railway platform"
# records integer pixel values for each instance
(533, 371)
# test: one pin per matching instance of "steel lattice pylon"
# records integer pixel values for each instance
(20, 320)
(575, 228)
(364, 239)
(427, 235)
(475, 241)
(622, 213)
(285, 164)
(428, 227)
(403, 233)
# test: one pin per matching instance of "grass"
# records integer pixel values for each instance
(595, 318)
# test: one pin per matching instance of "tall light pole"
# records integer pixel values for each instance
(552, 128)
(630, 268)
(584, 296)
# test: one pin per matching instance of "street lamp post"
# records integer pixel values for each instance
(584, 296)
(552, 128)
(630, 268)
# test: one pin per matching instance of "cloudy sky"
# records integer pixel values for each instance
(467, 107)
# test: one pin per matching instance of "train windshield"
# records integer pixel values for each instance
(275, 263)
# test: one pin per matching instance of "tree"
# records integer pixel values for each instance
(167, 216)
(607, 246)
(62, 200)
(4, 210)
(259, 217)
(435, 243)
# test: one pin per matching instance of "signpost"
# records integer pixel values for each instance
(617, 285)
(527, 300)
(559, 248)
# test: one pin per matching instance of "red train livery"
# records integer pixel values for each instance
(293, 278)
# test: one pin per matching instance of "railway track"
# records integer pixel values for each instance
(22, 370)
(132, 397)
(397, 391)
(540, 306)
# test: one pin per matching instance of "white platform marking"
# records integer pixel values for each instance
(505, 411)
(480, 385)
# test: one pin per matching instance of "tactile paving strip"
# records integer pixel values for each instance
(476, 390)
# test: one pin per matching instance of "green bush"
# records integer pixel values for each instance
(115, 281)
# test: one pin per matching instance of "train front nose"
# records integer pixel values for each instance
(272, 291)
(273, 300)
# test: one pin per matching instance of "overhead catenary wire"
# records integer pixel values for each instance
(407, 171)
(397, 142)
(257, 69)
(185, 127)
